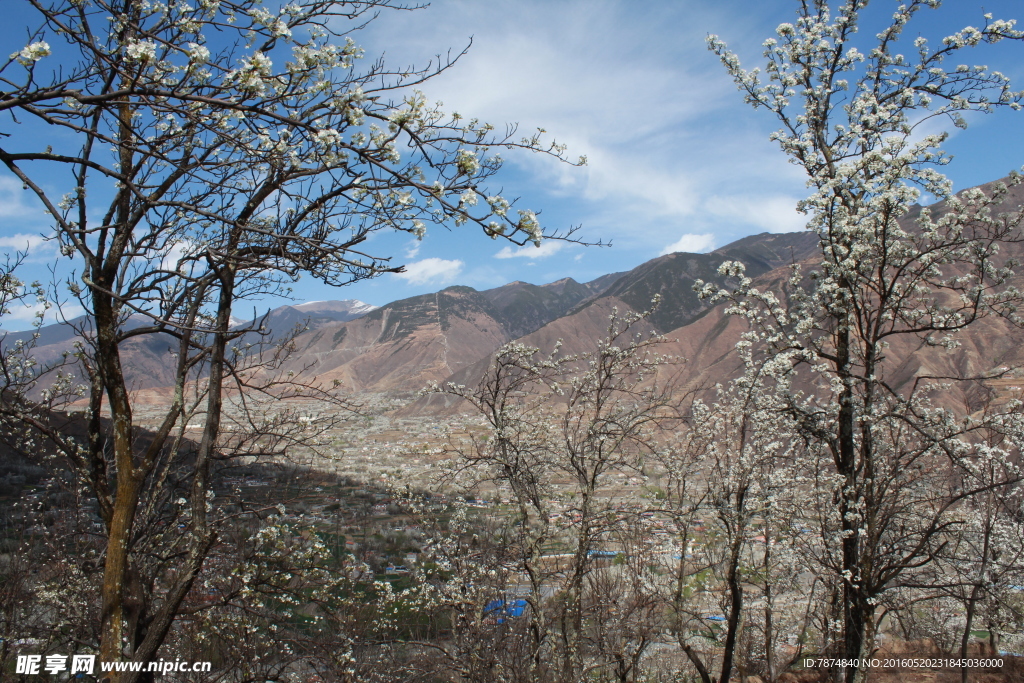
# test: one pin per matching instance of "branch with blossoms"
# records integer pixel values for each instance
(215, 154)
(886, 453)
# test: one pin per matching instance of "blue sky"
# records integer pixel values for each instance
(677, 161)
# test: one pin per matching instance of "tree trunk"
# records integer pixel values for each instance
(735, 608)
(769, 635)
(972, 600)
(845, 454)
(126, 496)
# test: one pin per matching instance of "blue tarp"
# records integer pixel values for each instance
(505, 608)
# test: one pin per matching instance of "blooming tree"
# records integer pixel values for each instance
(853, 119)
(580, 421)
(211, 153)
(730, 494)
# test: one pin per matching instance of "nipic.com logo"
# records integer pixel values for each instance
(31, 664)
(34, 665)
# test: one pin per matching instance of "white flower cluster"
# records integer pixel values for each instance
(467, 162)
(198, 54)
(254, 74)
(277, 26)
(140, 51)
(528, 224)
(328, 137)
(31, 54)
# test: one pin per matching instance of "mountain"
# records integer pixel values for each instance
(706, 337)
(402, 346)
(450, 335)
(523, 308)
(312, 314)
(146, 357)
(406, 344)
(672, 275)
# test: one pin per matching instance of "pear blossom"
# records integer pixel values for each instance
(32, 53)
(198, 54)
(236, 176)
(140, 51)
(874, 445)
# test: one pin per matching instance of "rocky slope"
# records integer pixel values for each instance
(147, 358)
(672, 276)
(705, 338)
(404, 345)
(450, 335)
(311, 315)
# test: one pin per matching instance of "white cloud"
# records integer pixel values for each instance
(12, 204)
(431, 271)
(412, 250)
(691, 243)
(21, 317)
(763, 213)
(641, 118)
(24, 316)
(172, 259)
(21, 242)
(668, 137)
(15, 213)
(546, 248)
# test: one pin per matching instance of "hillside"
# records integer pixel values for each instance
(450, 335)
(146, 357)
(706, 337)
(672, 275)
(405, 344)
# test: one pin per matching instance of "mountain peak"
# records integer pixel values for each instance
(350, 306)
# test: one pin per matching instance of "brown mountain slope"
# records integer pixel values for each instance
(672, 276)
(576, 332)
(706, 338)
(148, 359)
(403, 345)
(450, 336)
(406, 344)
(708, 347)
(707, 343)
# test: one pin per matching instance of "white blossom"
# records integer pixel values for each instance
(32, 53)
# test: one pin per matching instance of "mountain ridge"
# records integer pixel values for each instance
(451, 334)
